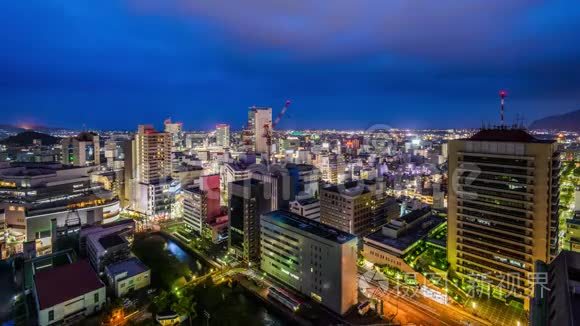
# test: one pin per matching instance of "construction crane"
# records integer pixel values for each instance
(268, 130)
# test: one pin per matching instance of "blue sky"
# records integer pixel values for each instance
(345, 64)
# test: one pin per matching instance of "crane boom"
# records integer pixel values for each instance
(268, 129)
(281, 114)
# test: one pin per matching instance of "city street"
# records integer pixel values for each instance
(404, 307)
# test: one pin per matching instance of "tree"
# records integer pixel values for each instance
(185, 306)
(162, 301)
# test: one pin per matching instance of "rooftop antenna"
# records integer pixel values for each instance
(502, 96)
(520, 121)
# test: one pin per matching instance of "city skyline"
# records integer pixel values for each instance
(374, 65)
(182, 162)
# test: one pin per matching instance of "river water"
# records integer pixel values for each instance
(249, 303)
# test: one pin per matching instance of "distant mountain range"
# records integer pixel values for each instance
(26, 138)
(568, 121)
(10, 129)
(7, 130)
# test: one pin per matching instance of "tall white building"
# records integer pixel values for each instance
(230, 172)
(222, 135)
(332, 168)
(153, 159)
(312, 258)
(503, 209)
(307, 207)
(153, 187)
(175, 129)
(82, 150)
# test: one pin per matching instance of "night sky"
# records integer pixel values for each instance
(112, 64)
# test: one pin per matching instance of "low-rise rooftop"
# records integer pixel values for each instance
(409, 237)
(111, 240)
(351, 189)
(307, 201)
(415, 215)
(310, 226)
(65, 282)
(132, 266)
(300, 167)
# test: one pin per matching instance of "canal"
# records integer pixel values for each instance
(240, 301)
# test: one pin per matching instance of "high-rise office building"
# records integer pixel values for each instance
(312, 258)
(332, 167)
(233, 171)
(222, 135)
(201, 204)
(151, 161)
(278, 187)
(347, 207)
(247, 202)
(382, 206)
(503, 209)
(81, 150)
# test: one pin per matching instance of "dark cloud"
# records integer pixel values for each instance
(195, 59)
